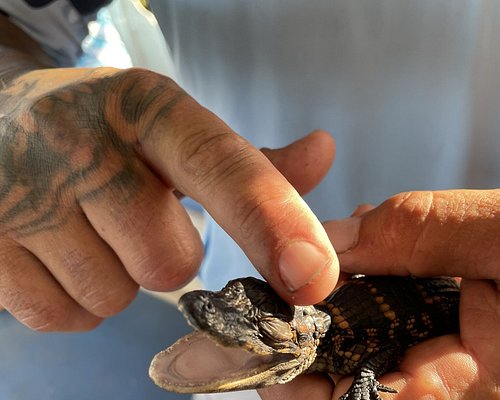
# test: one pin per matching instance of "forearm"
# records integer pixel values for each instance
(18, 52)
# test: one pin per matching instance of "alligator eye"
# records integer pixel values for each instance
(209, 307)
(303, 338)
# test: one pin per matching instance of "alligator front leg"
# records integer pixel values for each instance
(365, 385)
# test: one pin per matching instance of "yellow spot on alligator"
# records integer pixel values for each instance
(373, 290)
(348, 354)
(379, 299)
(371, 332)
(385, 307)
(390, 314)
(338, 319)
(356, 357)
(344, 325)
(335, 311)
(394, 324)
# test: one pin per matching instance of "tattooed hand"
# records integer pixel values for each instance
(90, 163)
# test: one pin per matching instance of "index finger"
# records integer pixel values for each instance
(199, 155)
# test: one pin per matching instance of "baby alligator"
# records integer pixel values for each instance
(246, 336)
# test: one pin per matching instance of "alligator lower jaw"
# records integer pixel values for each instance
(198, 364)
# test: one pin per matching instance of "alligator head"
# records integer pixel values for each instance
(245, 337)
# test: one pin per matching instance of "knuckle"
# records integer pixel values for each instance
(44, 317)
(209, 158)
(105, 294)
(263, 208)
(411, 205)
(107, 303)
(170, 270)
(54, 316)
(35, 309)
(145, 78)
(409, 209)
(410, 218)
(144, 93)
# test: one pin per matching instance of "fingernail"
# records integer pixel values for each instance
(299, 263)
(344, 233)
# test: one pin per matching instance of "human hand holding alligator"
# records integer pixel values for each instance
(366, 326)
(453, 233)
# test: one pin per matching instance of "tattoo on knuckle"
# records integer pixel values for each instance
(142, 92)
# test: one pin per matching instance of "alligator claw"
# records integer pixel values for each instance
(366, 388)
(387, 389)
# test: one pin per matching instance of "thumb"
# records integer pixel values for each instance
(305, 162)
(454, 233)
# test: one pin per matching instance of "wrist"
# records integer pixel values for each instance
(18, 53)
(14, 64)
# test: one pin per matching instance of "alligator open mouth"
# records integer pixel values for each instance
(196, 363)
